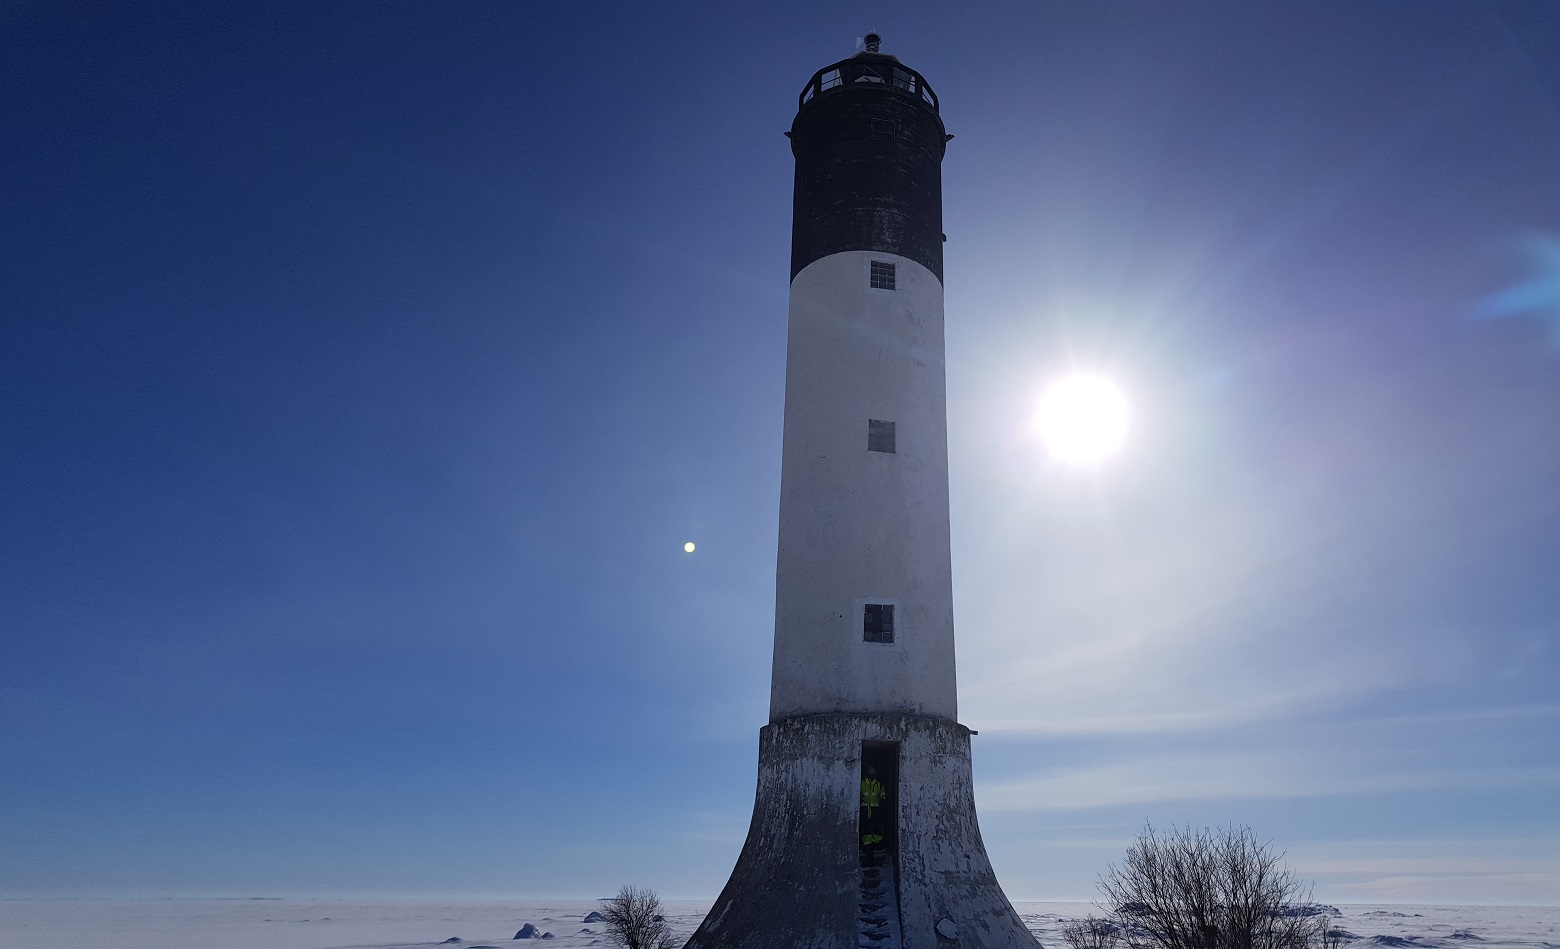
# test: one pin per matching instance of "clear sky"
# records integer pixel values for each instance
(365, 367)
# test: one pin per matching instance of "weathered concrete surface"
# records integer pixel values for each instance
(795, 883)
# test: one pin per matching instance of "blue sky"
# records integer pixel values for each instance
(365, 368)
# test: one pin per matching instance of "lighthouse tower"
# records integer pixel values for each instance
(864, 830)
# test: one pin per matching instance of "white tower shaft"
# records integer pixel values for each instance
(864, 495)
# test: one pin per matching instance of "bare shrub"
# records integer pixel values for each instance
(633, 920)
(1210, 889)
(1091, 932)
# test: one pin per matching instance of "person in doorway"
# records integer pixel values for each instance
(874, 808)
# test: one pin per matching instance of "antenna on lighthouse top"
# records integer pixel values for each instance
(872, 41)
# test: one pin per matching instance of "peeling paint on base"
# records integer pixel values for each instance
(795, 885)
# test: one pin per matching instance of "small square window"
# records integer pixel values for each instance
(880, 436)
(884, 130)
(877, 623)
(882, 275)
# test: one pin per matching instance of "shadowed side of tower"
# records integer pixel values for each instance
(864, 829)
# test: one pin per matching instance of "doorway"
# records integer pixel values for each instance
(877, 830)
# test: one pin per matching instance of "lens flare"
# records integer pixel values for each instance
(1082, 418)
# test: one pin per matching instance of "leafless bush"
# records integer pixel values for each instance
(1210, 889)
(633, 920)
(1091, 933)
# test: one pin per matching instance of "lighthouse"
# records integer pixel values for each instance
(864, 829)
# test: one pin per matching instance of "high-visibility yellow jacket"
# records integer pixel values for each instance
(872, 794)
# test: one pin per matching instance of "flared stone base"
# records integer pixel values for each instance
(797, 883)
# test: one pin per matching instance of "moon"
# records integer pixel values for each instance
(688, 547)
(1082, 418)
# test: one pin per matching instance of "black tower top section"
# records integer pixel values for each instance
(869, 147)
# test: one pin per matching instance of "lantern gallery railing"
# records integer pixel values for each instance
(887, 74)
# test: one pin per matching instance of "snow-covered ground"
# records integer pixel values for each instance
(333, 924)
(1378, 927)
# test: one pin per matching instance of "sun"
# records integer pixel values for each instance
(1082, 418)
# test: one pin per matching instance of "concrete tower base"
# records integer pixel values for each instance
(799, 881)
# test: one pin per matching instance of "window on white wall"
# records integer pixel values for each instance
(882, 275)
(880, 436)
(877, 622)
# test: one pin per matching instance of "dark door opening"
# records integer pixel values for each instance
(878, 825)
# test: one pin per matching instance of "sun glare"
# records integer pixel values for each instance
(1082, 418)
